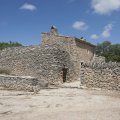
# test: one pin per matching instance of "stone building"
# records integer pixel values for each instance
(57, 60)
(79, 49)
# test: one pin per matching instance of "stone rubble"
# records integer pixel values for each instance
(25, 83)
(101, 75)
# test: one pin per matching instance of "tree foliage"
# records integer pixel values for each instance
(4, 45)
(110, 51)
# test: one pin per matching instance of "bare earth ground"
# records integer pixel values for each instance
(60, 104)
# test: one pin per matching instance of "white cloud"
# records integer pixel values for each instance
(28, 6)
(105, 7)
(94, 36)
(107, 31)
(80, 25)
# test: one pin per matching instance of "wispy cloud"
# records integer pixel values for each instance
(80, 25)
(94, 36)
(29, 7)
(107, 31)
(105, 7)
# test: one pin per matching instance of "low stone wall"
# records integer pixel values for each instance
(25, 83)
(98, 59)
(42, 62)
(104, 75)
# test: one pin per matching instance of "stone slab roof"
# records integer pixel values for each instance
(77, 39)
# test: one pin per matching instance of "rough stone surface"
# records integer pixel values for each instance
(98, 59)
(79, 50)
(101, 75)
(25, 83)
(46, 62)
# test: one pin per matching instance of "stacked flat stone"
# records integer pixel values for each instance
(46, 62)
(101, 75)
(25, 83)
(42, 62)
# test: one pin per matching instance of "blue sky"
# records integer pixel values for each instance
(24, 20)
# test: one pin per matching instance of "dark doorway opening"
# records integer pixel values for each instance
(64, 70)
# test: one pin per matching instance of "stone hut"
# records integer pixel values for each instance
(79, 49)
(57, 60)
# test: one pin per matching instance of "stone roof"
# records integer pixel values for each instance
(84, 41)
(77, 39)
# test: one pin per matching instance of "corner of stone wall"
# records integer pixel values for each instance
(24, 83)
(98, 59)
(99, 74)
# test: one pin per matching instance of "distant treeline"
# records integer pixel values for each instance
(110, 51)
(4, 45)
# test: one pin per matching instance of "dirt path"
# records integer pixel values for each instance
(60, 104)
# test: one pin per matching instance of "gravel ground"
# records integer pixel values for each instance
(60, 104)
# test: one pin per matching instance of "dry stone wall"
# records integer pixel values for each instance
(44, 63)
(98, 59)
(47, 62)
(25, 83)
(101, 75)
(77, 50)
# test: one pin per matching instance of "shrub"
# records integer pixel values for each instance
(4, 45)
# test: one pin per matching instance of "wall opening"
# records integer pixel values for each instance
(64, 71)
(82, 63)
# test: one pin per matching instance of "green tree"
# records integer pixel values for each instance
(4, 45)
(110, 51)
